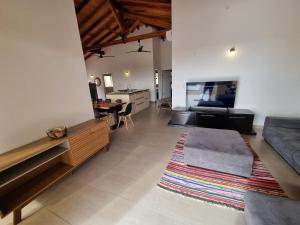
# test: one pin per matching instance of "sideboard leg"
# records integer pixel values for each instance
(17, 216)
(106, 148)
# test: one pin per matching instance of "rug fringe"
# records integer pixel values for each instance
(212, 203)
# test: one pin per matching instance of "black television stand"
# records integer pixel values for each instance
(231, 119)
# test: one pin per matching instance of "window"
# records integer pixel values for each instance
(156, 77)
(108, 80)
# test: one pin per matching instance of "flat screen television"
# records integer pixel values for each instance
(220, 94)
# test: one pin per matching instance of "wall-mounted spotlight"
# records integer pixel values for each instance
(127, 73)
(232, 52)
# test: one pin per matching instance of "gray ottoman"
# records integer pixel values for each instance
(220, 150)
(263, 209)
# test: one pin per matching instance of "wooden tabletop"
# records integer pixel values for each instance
(105, 105)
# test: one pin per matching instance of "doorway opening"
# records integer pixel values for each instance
(163, 84)
(163, 89)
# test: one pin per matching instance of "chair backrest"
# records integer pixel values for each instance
(118, 108)
(128, 109)
(165, 103)
(108, 100)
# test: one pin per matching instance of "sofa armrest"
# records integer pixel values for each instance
(284, 122)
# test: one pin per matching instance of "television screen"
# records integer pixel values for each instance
(211, 94)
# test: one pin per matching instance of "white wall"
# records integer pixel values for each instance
(165, 52)
(43, 78)
(162, 54)
(266, 34)
(162, 60)
(140, 66)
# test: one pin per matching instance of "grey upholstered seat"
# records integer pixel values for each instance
(220, 150)
(264, 209)
(284, 136)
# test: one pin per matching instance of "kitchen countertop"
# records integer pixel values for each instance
(127, 92)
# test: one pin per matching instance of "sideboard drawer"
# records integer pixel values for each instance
(241, 123)
(86, 143)
(210, 120)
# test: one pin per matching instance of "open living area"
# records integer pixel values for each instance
(150, 112)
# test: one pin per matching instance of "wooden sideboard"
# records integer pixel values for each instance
(86, 139)
(27, 171)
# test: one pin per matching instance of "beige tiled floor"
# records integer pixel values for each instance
(119, 187)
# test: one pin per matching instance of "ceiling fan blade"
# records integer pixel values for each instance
(131, 51)
(94, 50)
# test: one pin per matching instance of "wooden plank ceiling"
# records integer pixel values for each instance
(104, 23)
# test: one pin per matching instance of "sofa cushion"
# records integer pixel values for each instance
(261, 209)
(286, 142)
(284, 122)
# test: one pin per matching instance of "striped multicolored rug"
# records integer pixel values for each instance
(215, 187)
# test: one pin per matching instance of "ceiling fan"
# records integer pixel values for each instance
(100, 53)
(140, 49)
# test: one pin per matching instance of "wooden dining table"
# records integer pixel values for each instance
(114, 108)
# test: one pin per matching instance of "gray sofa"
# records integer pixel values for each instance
(283, 134)
(261, 209)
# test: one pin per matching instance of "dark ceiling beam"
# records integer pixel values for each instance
(113, 7)
(149, 21)
(133, 27)
(101, 37)
(107, 21)
(91, 15)
(161, 34)
(76, 3)
(109, 38)
(87, 55)
(150, 4)
(81, 5)
(112, 30)
(152, 12)
(94, 24)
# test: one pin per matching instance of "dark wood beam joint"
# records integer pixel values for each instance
(135, 25)
(149, 21)
(160, 34)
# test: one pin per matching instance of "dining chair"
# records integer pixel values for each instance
(165, 103)
(126, 115)
(99, 114)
